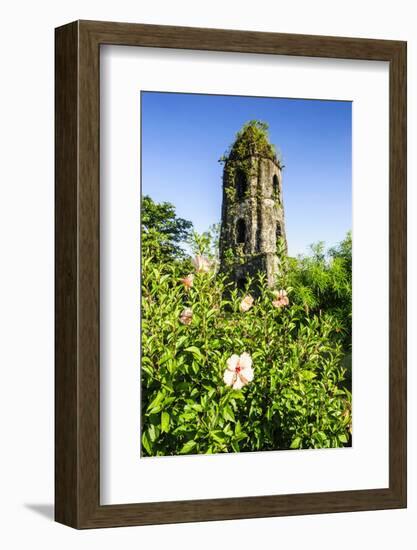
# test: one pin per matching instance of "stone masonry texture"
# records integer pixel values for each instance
(252, 216)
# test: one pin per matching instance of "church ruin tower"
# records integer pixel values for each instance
(252, 224)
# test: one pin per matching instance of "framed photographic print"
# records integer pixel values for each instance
(230, 274)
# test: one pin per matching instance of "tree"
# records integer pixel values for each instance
(343, 252)
(162, 231)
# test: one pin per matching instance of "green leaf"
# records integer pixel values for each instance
(155, 405)
(321, 436)
(295, 444)
(180, 341)
(195, 351)
(343, 438)
(146, 443)
(189, 446)
(228, 414)
(217, 435)
(235, 446)
(211, 312)
(236, 394)
(165, 418)
(308, 375)
(228, 430)
(153, 432)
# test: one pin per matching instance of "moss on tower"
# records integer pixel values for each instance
(252, 224)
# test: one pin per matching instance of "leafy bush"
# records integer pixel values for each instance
(193, 322)
(323, 283)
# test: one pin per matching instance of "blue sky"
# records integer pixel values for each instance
(184, 135)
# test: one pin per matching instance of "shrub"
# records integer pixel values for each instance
(298, 396)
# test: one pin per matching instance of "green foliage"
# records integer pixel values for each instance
(298, 397)
(252, 140)
(162, 231)
(322, 283)
(206, 243)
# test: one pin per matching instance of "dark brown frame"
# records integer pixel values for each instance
(77, 274)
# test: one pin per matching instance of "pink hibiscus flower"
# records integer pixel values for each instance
(239, 371)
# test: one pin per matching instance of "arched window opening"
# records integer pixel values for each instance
(241, 184)
(279, 230)
(275, 185)
(240, 232)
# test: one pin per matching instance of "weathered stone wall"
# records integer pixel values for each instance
(258, 216)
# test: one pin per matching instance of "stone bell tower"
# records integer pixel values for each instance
(252, 224)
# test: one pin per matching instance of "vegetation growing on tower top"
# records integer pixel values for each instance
(252, 140)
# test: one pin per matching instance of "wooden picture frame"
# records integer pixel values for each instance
(77, 382)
